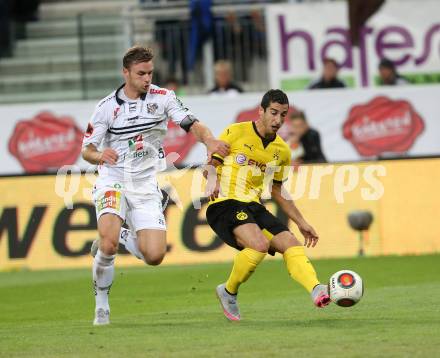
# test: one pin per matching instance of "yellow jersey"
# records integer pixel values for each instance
(252, 163)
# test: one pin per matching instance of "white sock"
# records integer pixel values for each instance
(129, 241)
(103, 272)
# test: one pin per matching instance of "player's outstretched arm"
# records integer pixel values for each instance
(282, 197)
(213, 145)
(94, 156)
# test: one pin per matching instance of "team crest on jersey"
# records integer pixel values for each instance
(110, 200)
(152, 108)
(241, 215)
(276, 155)
(240, 159)
(136, 143)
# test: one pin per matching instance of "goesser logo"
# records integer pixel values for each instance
(253, 115)
(383, 126)
(178, 141)
(46, 142)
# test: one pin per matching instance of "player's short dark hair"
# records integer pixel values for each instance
(137, 54)
(386, 63)
(330, 60)
(298, 115)
(274, 95)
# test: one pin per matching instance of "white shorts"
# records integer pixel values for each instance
(140, 206)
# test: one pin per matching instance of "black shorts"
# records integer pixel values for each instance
(225, 216)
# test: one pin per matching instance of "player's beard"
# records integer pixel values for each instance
(272, 130)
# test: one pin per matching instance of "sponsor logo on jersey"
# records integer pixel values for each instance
(152, 108)
(382, 126)
(142, 154)
(249, 146)
(158, 91)
(241, 215)
(240, 159)
(46, 142)
(136, 143)
(110, 200)
(262, 166)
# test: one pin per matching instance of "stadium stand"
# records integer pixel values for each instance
(47, 64)
(72, 52)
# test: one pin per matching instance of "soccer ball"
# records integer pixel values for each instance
(346, 288)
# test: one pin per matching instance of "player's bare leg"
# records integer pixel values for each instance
(109, 226)
(255, 246)
(299, 266)
(152, 245)
(148, 245)
(128, 239)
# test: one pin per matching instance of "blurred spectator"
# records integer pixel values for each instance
(359, 11)
(201, 28)
(170, 37)
(241, 39)
(388, 74)
(172, 83)
(223, 79)
(13, 16)
(304, 141)
(5, 29)
(25, 10)
(329, 78)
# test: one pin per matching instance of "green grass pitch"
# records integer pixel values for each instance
(173, 312)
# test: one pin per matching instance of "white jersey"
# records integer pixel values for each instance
(135, 130)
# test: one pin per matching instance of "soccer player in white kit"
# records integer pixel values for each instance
(125, 137)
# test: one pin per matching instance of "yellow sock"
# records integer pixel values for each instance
(300, 268)
(244, 265)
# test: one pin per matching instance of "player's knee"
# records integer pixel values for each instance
(261, 245)
(153, 258)
(108, 246)
(282, 242)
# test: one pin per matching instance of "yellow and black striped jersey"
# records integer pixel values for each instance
(247, 168)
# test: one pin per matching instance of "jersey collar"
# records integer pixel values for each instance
(265, 141)
(120, 101)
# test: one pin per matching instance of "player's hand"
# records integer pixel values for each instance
(213, 189)
(217, 146)
(309, 233)
(109, 156)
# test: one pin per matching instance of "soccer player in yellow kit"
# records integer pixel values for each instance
(241, 221)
